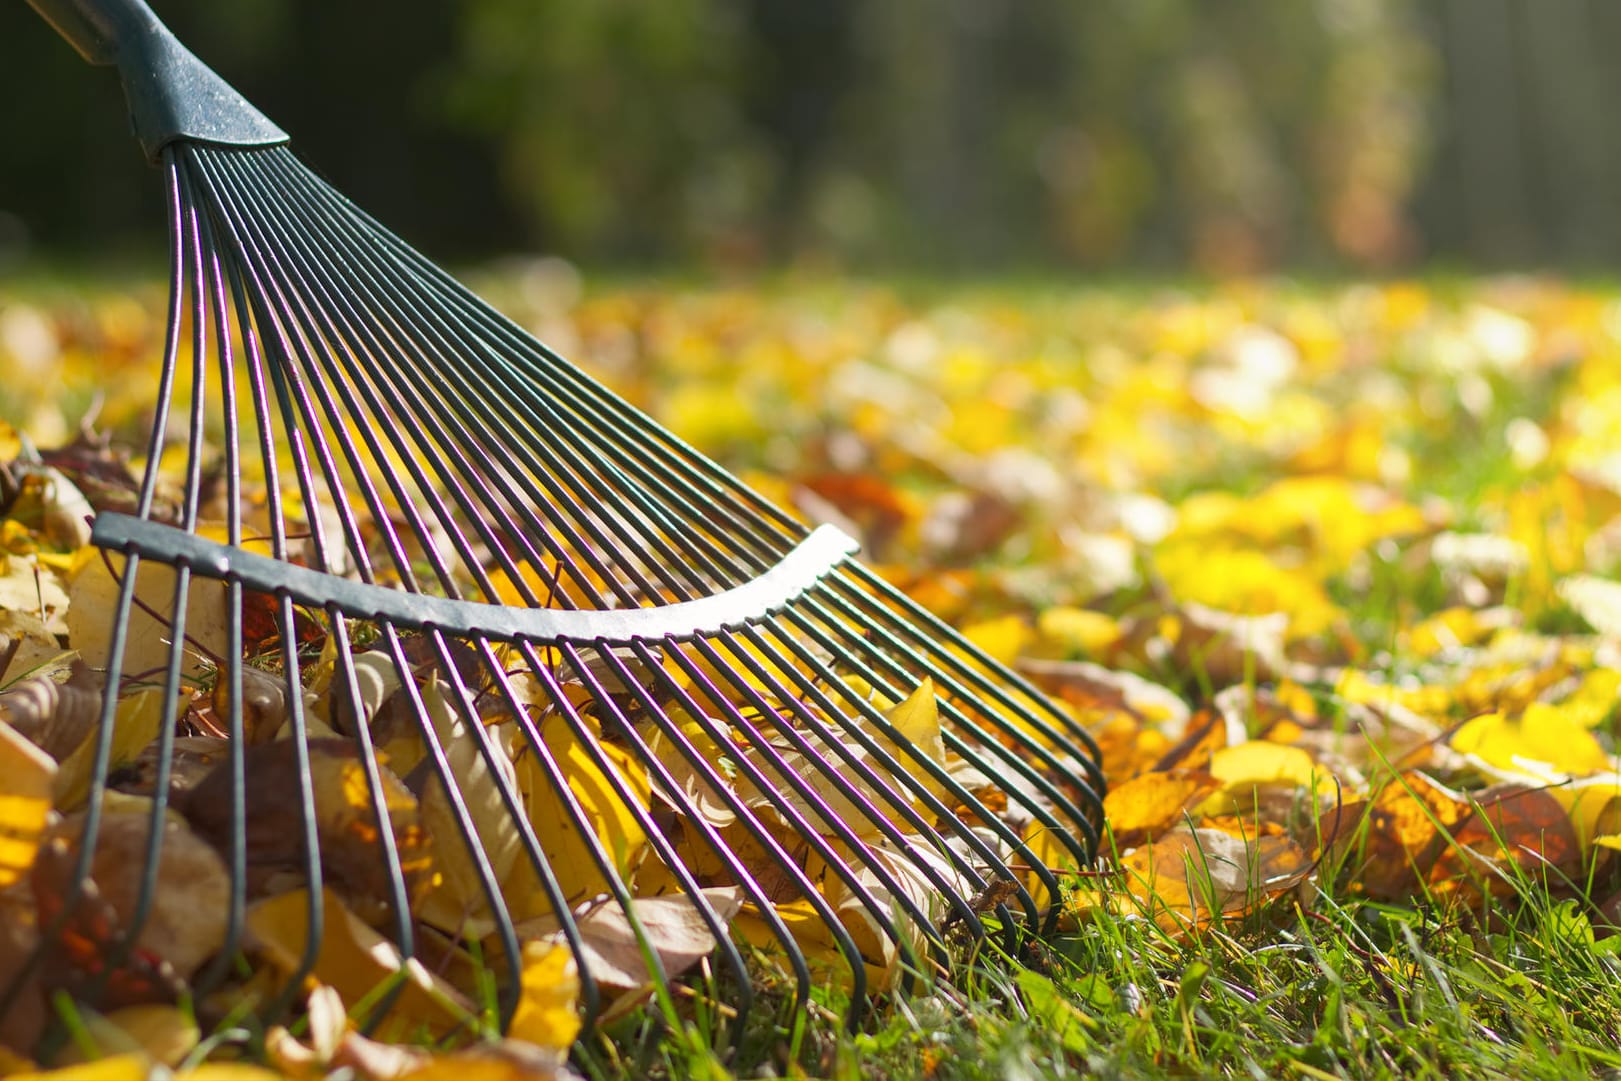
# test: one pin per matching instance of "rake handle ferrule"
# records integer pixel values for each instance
(172, 95)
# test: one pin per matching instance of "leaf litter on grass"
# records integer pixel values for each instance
(1334, 601)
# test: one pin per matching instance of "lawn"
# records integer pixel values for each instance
(1325, 568)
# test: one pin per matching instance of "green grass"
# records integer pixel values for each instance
(1333, 987)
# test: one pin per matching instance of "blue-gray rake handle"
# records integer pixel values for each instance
(171, 94)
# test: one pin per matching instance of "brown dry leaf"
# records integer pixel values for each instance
(353, 959)
(675, 929)
(345, 818)
(376, 679)
(1151, 803)
(1508, 825)
(1407, 823)
(1191, 876)
(55, 714)
(192, 758)
(336, 1047)
(868, 506)
(1207, 732)
(881, 952)
(1096, 690)
(186, 924)
(264, 703)
(24, 1022)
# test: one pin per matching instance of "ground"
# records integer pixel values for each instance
(1325, 568)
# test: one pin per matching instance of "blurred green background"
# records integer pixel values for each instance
(956, 135)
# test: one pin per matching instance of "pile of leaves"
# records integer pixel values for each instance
(1325, 573)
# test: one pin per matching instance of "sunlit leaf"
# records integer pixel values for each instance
(25, 802)
(605, 800)
(547, 1014)
(355, 960)
(1151, 803)
(1544, 741)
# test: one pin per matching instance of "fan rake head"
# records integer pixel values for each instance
(432, 644)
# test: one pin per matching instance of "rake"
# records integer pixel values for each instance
(472, 653)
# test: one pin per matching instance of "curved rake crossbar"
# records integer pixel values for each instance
(807, 563)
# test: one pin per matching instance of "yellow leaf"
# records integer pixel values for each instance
(25, 802)
(1154, 802)
(810, 933)
(1262, 762)
(1246, 582)
(611, 817)
(1542, 739)
(1077, 631)
(93, 589)
(158, 1033)
(917, 719)
(1456, 627)
(117, 1068)
(228, 1071)
(354, 960)
(1595, 699)
(1594, 806)
(139, 718)
(547, 1013)
(1004, 639)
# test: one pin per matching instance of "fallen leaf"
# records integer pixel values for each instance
(25, 802)
(55, 715)
(608, 812)
(28, 649)
(485, 778)
(136, 723)
(675, 930)
(1191, 876)
(93, 590)
(1542, 741)
(1147, 805)
(1509, 826)
(346, 823)
(159, 1034)
(547, 1014)
(186, 923)
(355, 961)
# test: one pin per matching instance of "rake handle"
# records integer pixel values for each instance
(94, 28)
(172, 95)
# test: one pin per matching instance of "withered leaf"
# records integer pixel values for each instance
(1191, 876)
(346, 822)
(675, 929)
(1151, 803)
